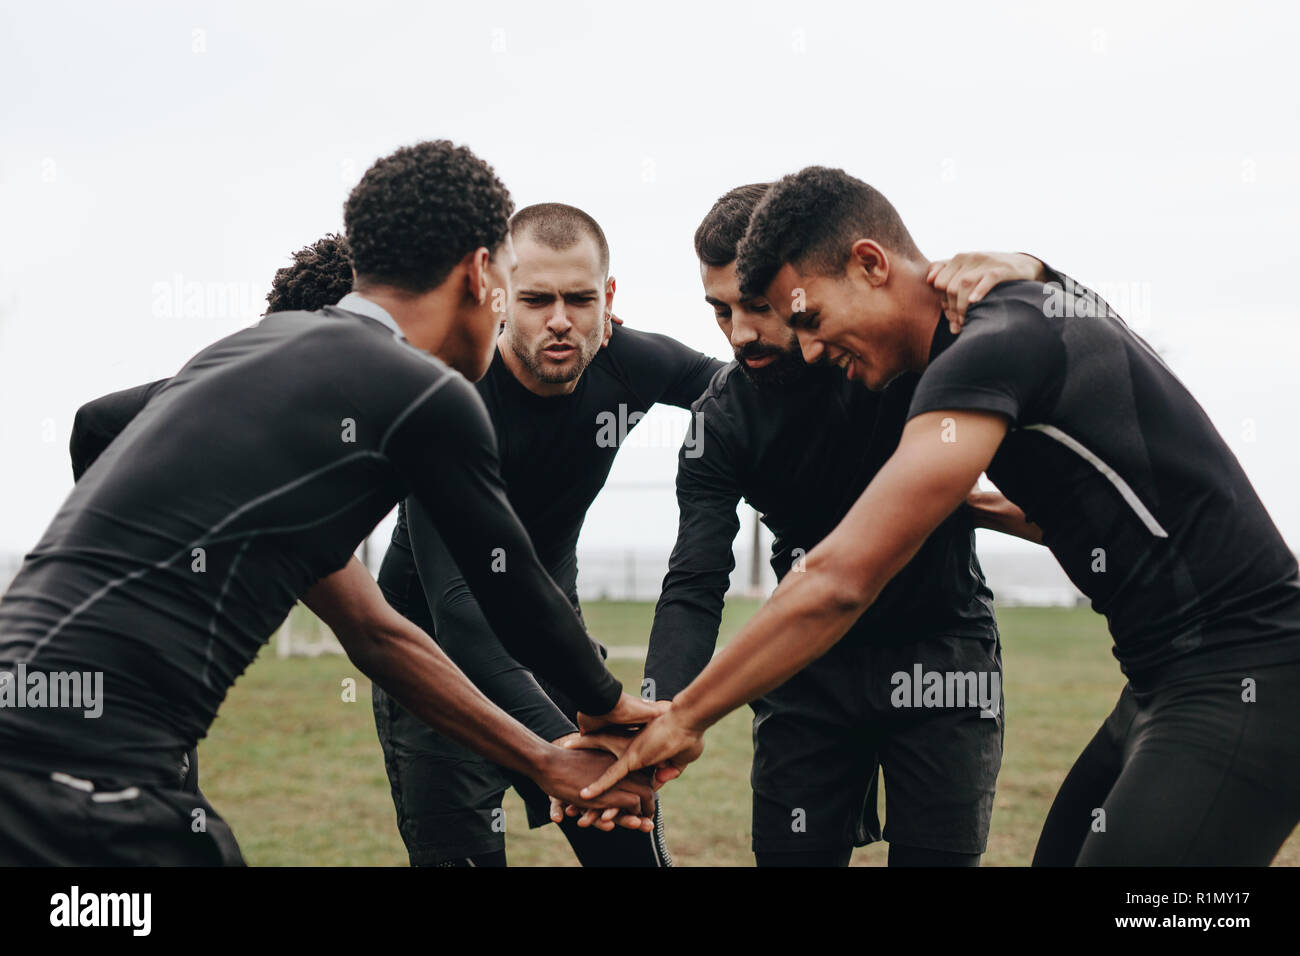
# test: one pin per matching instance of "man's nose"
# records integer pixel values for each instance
(742, 333)
(558, 322)
(812, 349)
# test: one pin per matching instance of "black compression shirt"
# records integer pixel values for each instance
(1138, 496)
(556, 453)
(97, 423)
(801, 455)
(252, 474)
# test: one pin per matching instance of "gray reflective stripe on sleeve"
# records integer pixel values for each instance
(1120, 484)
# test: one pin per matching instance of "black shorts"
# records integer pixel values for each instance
(1201, 772)
(448, 800)
(56, 819)
(820, 737)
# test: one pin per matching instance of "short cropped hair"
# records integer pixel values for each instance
(558, 226)
(811, 220)
(321, 274)
(417, 213)
(719, 234)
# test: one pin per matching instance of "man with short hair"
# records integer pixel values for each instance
(800, 443)
(1081, 424)
(248, 481)
(562, 382)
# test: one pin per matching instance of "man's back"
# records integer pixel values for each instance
(255, 472)
(1138, 496)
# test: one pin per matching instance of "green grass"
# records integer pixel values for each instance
(296, 769)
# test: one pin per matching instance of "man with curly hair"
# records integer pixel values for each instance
(246, 483)
(321, 275)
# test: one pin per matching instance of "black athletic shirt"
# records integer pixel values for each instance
(97, 423)
(556, 453)
(801, 455)
(248, 477)
(1138, 496)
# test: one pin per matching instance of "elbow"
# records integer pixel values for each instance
(367, 640)
(844, 588)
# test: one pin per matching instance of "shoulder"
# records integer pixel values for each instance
(639, 349)
(628, 341)
(728, 390)
(1009, 350)
(1015, 308)
(1012, 324)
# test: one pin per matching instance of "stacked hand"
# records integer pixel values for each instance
(623, 738)
(663, 746)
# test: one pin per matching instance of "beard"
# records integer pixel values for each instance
(535, 362)
(786, 368)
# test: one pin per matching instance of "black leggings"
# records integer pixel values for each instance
(1203, 772)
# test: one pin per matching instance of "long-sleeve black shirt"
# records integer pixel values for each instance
(556, 453)
(801, 455)
(248, 477)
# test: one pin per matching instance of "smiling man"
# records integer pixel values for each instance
(1081, 424)
(560, 370)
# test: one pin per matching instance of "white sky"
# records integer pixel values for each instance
(1153, 152)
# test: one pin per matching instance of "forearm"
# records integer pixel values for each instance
(466, 638)
(417, 674)
(812, 609)
(523, 607)
(682, 638)
(689, 610)
(806, 615)
(405, 661)
(992, 510)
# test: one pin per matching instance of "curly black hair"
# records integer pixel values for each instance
(418, 212)
(719, 234)
(321, 274)
(811, 219)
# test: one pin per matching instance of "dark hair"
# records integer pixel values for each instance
(321, 274)
(719, 234)
(418, 212)
(811, 220)
(558, 227)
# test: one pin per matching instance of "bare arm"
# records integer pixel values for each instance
(406, 662)
(992, 510)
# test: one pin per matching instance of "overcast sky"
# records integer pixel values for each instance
(1151, 151)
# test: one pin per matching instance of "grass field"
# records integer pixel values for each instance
(296, 769)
